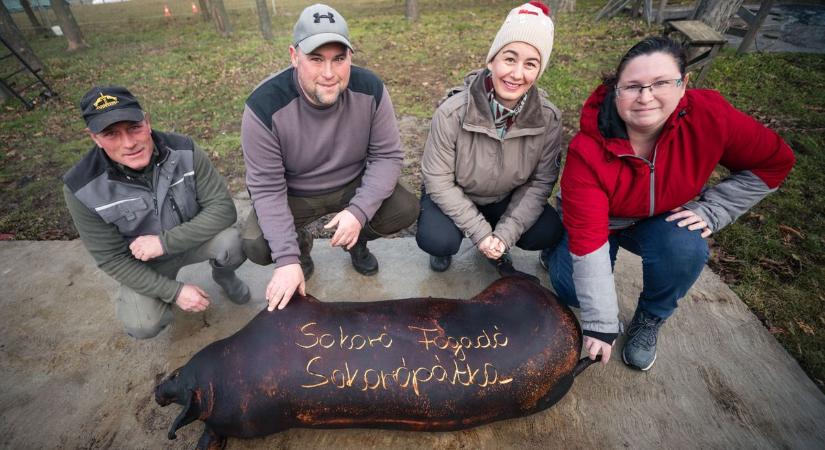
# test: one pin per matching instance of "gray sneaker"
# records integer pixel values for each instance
(544, 258)
(640, 349)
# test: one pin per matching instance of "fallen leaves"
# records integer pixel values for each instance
(807, 329)
(791, 231)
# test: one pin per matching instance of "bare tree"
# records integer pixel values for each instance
(221, 18)
(204, 5)
(716, 13)
(411, 12)
(38, 28)
(69, 25)
(263, 20)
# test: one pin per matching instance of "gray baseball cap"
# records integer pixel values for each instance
(318, 25)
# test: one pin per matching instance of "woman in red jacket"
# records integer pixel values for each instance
(635, 178)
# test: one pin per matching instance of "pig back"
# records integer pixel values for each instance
(413, 364)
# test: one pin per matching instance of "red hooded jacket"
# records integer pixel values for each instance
(603, 179)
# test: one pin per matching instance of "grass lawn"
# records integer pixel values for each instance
(194, 82)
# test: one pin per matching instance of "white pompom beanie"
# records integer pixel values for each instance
(528, 23)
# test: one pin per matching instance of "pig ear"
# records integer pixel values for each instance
(187, 416)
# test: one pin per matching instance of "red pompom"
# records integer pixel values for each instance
(544, 8)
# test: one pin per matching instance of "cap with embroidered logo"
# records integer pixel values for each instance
(318, 25)
(105, 105)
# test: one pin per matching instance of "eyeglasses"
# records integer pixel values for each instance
(657, 87)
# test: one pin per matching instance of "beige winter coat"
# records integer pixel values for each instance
(466, 164)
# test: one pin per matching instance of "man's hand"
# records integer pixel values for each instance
(595, 346)
(492, 247)
(192, 298)
(146, 247)
(347, 231)
(285, 280)
(690, 220)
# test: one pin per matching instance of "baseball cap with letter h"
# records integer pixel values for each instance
(318, 25)
(105, 105)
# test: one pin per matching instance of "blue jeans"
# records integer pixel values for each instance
(672, 259)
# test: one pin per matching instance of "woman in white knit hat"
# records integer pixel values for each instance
(492, 156)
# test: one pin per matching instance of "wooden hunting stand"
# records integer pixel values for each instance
(23, 69)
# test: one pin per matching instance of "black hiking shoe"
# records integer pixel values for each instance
(235, 289)
(639, 351)
(305, 246)
(503, 265)
(363, 261)
(440, 263)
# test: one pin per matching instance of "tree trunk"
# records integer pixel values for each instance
(204, 5)
(411, 10)
(263, 20)
(566, 6)
(38, 28)
(716, 13)
(69, 26)
(221, 19)
(660, 13)
(557, 6)
(12, 35)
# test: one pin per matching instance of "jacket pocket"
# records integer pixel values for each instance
(122, 212)
(185, 196)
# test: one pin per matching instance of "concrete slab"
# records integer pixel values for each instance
(70, 378)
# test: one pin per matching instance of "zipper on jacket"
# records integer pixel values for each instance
(175, 208)
(652, 166)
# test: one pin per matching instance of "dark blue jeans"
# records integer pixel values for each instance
(672, 259)
(438, 235)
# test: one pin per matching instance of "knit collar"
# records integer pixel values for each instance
(503, 117)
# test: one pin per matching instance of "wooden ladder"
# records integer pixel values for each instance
(24, 68)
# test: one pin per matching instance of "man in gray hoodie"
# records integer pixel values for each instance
(320, 137)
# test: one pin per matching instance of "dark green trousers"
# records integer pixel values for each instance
(397, 212)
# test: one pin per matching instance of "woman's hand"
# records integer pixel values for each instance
(689, 219)
(492, 247)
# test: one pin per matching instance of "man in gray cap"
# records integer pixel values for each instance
(320, 137)
(147, 203)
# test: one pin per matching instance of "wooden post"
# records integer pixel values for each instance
(660, 14)
(753, 28)
(411, 10)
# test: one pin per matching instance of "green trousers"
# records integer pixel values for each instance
(144, 317)
(397, 212)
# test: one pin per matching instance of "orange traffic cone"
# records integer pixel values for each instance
(194, 8)
(166, 12)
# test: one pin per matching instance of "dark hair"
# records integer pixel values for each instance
(647, 46)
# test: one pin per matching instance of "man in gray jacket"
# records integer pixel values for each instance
(147, 203)
(320, 137)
